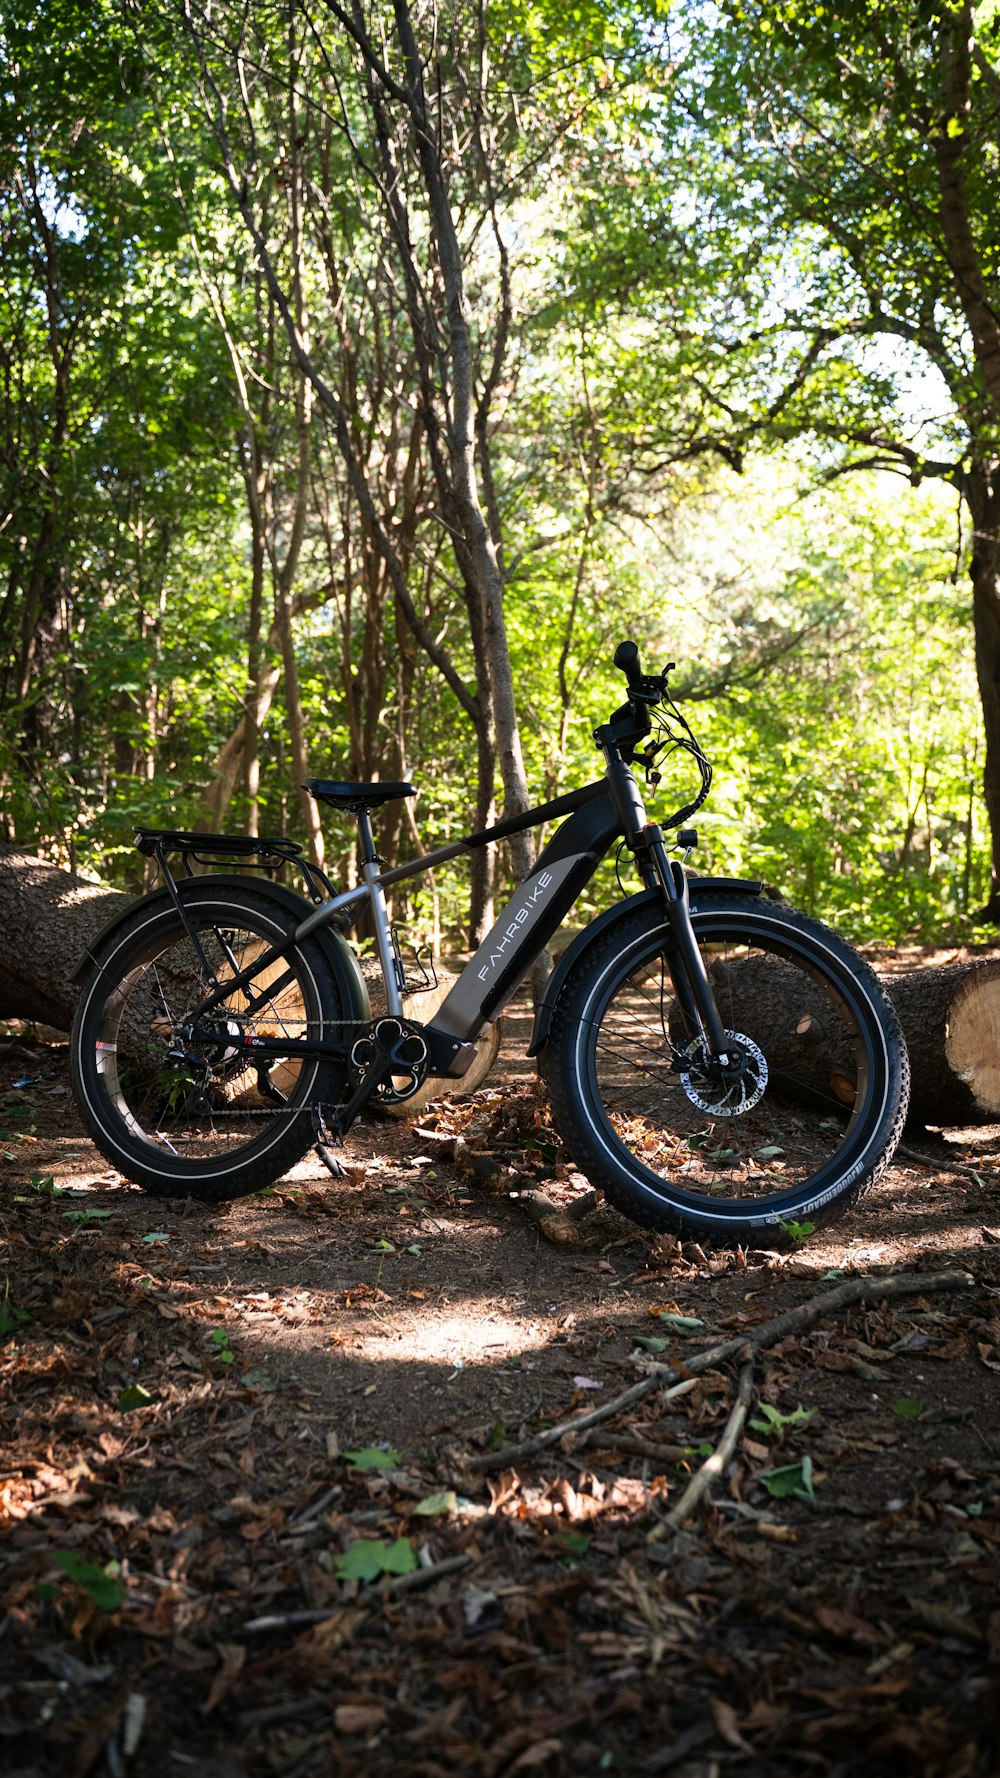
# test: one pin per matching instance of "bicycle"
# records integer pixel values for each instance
(718, 1063)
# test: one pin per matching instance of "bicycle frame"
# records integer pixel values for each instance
(599, 813)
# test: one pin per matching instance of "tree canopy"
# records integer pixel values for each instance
(370, 371)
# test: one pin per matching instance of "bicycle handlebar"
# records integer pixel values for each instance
(644, 688)
(626, 657)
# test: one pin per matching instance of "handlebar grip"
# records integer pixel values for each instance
(626, 656)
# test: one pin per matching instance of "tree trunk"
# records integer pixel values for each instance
(47, 920)
(984, 504)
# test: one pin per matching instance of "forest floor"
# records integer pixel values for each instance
(259, 1517)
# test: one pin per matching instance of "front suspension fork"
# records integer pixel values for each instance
(687, 966)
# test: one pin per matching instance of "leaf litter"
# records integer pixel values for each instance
(249, 1527)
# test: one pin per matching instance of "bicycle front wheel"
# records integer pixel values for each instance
(185, 1118)
(799, 1124)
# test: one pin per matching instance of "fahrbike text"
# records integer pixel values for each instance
(520, 919)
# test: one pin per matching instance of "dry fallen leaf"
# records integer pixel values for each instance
(359, 1719)
(233, 1658)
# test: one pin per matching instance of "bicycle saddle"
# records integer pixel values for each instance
(344, 795)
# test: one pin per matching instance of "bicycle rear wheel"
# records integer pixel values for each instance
(800, 1124)
(206, 1122)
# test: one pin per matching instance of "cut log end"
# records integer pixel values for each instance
(972, 1038)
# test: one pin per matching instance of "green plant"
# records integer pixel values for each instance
(101, 1584)
(774, 1424)
(223, 1353)
(11, 1317)
(799, 1232)
(367, 1559)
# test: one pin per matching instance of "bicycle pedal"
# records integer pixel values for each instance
(330, 1161)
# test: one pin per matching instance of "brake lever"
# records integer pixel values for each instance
(648, 758)
(653, 687)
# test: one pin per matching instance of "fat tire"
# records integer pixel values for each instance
(655, 1202)
(239, 1173)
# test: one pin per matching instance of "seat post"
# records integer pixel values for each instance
(370, 864)
(362, 815)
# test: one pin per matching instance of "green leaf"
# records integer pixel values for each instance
(400, 1557)
(367, 1558)
(106, 1591)
(258, 1380)
(575, 1543)
(650, 1343)
(770, 1153)
(151, 1239)
(908, 1407)
(434, 1505)
(684, 1323)
(10, 1316)
(86, 1216)
(774, 1424)
(373, 1457)
(45, 1185)
(134, 1396)
(219, 1338)
(799, 1231)
(792, 1481)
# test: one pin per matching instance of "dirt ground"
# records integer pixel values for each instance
(261, 1513)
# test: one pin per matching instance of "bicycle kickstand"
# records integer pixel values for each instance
(324, 1146)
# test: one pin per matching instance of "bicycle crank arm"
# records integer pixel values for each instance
(346, 1115)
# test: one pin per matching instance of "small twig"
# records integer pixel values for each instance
(400, 1583)
(946, 1166)
(290, 1620)
(269, 1715)
(423, 1577)
(309, 1513)
(662, 1376)
(635, 1447)
(580, 1423)
(713, 1467)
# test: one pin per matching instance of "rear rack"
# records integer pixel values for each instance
(268, 853)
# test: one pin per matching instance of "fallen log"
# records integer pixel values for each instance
(950, 1018)
(951, 1021)
(47, 920)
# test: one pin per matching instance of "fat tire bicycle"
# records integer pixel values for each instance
(718, 1063)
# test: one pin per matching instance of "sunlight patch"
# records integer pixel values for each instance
(467, 1335)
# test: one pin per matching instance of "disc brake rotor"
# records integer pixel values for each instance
(730, 1091)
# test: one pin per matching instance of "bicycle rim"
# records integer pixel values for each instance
(789, 1125)
(208, 1105)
